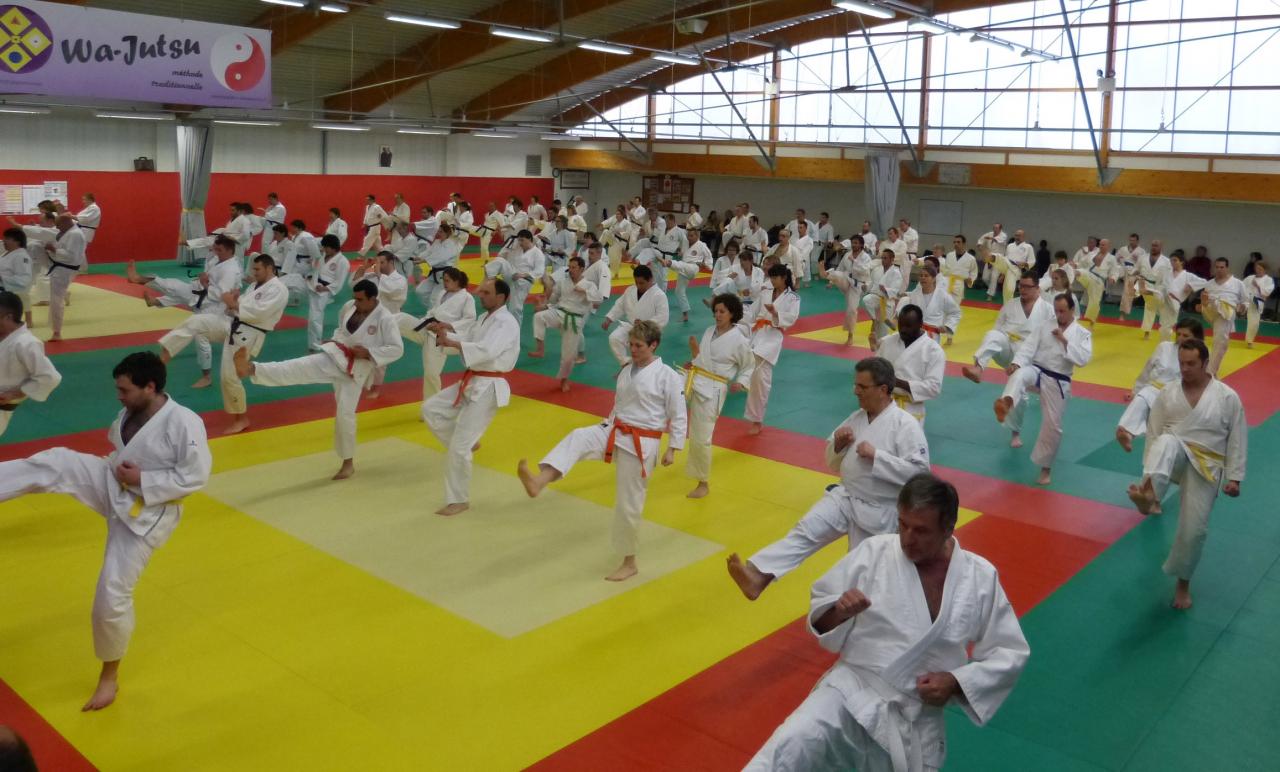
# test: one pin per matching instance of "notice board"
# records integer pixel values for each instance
(667, 193)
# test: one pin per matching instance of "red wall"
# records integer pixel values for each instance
(140, 210)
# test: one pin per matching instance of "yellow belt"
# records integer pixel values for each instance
(139, 504)
(951, 283)
(1202, 456)
(903, 401)
(1015, 337)
(693, 372)
(1157, 384)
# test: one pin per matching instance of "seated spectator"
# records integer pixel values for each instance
(1201, 264)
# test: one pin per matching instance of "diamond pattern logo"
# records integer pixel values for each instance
(26, 39)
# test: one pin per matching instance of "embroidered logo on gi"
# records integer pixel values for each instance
(257, 295)
(237, 61)
(372, 329)
(25, 40)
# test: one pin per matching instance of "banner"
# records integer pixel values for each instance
(69, 50)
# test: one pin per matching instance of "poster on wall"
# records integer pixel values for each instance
(73, 50)
(384, 157)
(32, 195)
(575, 179)
(667, 193)
(10, 199)
(55, 191)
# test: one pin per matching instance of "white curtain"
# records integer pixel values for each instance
(883, 173)
(195, 162)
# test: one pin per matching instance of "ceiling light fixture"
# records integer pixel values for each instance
(435, 132)
(929, 25)
(559, 137)
(231, 122)
(676, 59)
(519, 34)
(422, 21)
(992, 42)
(866, 9)
(289, 3)
(339, 127)
(492, 135)
(25, 110)
(333, 8)
(138, 116)
(605, 48)
(1041, 55)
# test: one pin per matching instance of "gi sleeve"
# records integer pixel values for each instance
(834, 459)
(42, 377)
(390, 346)
(930, 386)
(190, 471)
(745, 361)
(999, 654)
(1080, 347)
(847, 574)
(1237, 440)
(677, 409)
(908, 456)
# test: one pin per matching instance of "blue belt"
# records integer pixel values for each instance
(1061, 378)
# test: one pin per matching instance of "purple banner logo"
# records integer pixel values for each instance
(29, 43)
(237, 61)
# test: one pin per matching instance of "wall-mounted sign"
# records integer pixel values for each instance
(72, 50)
(574, 179)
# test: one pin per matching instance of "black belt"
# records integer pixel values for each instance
(485, 228)
(237, 323)
(671, 255)
(201, 296)
(322, 282)
(56, 264)
(8, 407)
(90, 227)
(1061, 378)
(424, 323)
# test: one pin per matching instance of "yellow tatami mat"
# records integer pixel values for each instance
(95, 312)
(1119, 352)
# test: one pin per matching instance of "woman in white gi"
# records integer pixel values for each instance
(1044, 363)
(1196, 438)
(1181, 285)
(851, 276)
(1222, 300)
(454, 306)
(459, 415)
(566, 310)
(244, 321)
(520, 265)
(722, 363)
(327, 280)
(875, 451)
(919, 624)
(694, 257)
(365, 338)
(893, 241)
(777, 309)
(159, 456)
(443, 252)
(1160, 370)
(17, 272)
(617, 233)
(649, 401)
(736, 273)
(1259, 286)
(25, 371)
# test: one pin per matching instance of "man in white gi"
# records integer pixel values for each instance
(491, 225)
(911, 237)
(160, 456)
(1016, 322)
(870, 241)
(17, 271)
(520, 265)
(941, 311)
(25, 371)
(406, 247)
(366, 338)
(1258, 288)
(919, 624)
(89, 218)
(649, 401)
(1044, 363)
(244, 323)
(430, 262)
(308, 256)
(756, 240)
(41, 241)
(824, 238)
(1153, 276)
(283, 251)
(1221, 301)
(459, 415)
(919, 363)
(399, 214)
(737, 227)
(537, 213)
(66, 261)
(1094, 274)
(565, 309)
(598, 272)
(993, 242)
(557, 242)
(1018, 258)
(1196, 438)
(693, 258)
(374, 216)
(327, 280)
(642, 301)
(1084, 255)
(273, 214)
(617, 233)
(875, 451)
(1160, 370)
(1128, 257)
(336, 227)
(852, 276)
(959, 270)
(882, 293)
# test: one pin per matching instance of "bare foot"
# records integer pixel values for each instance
(151, 302)
(1182, 594)
(537, 353)
(699, 492)
(105, 693)
(949, 341)
(532, 485)
(131, 273)
(684, 317)
(348, 469)
(1248, 344)
(1143, 496)
(564, 385)
(1015, 441)
(748, 578)
(625, 571)
(756, 428)
(204, 382)
(1125, 439)
(475, 447)
(1044, 478)
(1146, 336)
(244, 368)
(42, 303)
(580, 361)
(453, 509)
(848, 341)
(1002, 408)
(55, 338)
(972, 372)
(240, 424)
(165, 356)
(373, 394)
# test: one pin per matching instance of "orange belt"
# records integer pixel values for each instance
(761, 324)
(636, 433)
(351, 356)
(466, 378)
(934, 331)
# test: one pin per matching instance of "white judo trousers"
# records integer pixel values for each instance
(319, 368)
(59, 285)
(758, 393)
(1166, 462)
(459, 427)
(1222, 329)
(703, 414)
(177, 292)
(836, 514)
(570, 327)
(1053, 403)
(206, 327)
(88, 479)
(852, 298)
(997, 347)
(317, 302)
(588, 444)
